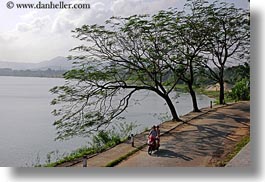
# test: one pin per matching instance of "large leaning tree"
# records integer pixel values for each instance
(114, 62)
(229, 40)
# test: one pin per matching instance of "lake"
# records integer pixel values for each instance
(26, 130)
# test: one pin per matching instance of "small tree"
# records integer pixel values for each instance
(241, 90)
(229, 40)
(237, 73)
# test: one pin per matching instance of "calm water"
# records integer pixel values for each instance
(26, 130)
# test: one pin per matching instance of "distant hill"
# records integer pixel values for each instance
(57, 63)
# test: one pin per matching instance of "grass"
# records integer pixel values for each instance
(234, 152)
(203, 91)
(211, 94)
(73, 156)
(214, 95)
(103, 141)
(181, 88)
(80, 153)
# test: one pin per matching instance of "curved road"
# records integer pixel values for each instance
(201, 142)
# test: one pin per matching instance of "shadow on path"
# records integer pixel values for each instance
(209, 136)
(171, 154)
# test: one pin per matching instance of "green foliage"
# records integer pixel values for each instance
(236, 73)
(241, 90)
(181, 88)
(104, 138)
(211, 94)
(118, 133)
(100, 142)
(79, 153)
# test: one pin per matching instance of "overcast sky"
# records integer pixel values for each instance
(37, 35)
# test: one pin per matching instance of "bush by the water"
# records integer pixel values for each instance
(103, 140)
(241, 90)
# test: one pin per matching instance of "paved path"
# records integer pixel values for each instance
(242, 159)
(201, 141)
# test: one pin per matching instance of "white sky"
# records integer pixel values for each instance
(36, 35)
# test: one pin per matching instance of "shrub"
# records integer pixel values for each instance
(241, 90)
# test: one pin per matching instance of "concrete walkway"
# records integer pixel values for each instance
(242, 159)
(202, 140)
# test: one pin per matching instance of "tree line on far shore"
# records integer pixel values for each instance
(32, 73)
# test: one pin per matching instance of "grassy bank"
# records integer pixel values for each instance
(103, 141)
(75, 155)
(215, 95)
(211, 94)
(245, 140)
(80, 153)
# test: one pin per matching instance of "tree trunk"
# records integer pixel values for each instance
(190, 84)
(172, 108)
(222, 92)
(194, 100)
